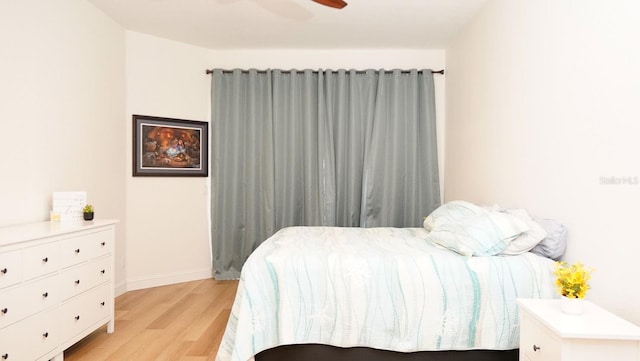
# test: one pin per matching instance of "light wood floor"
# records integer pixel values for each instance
(183, 322)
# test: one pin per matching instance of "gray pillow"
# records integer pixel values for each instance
(555, 243)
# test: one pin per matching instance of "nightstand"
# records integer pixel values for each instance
(548, 334)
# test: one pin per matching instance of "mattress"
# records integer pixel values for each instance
(383, 288)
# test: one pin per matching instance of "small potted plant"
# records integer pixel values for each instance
(572, 283)
(87, 212)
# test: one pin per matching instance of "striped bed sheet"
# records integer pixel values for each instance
(384, 288)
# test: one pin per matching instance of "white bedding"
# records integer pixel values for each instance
(385, 288)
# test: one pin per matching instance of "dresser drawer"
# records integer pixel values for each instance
(80, 313)
(27, 299)
(82, 248)
(10, 268)
(83, 277)
(30, 339)
(40, 260)
(537, 343)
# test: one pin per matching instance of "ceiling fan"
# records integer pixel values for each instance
(338, 4)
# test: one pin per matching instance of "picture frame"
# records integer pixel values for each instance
(168, 147)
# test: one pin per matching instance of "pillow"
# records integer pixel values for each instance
(555, 243)
(472, 231)
(450, 211)
(526, 240)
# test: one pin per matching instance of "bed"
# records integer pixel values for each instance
(426, 293)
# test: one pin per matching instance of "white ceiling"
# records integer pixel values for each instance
(226, 24)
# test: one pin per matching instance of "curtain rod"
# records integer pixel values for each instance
(209, 71)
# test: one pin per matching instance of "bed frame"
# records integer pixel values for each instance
(315, 352)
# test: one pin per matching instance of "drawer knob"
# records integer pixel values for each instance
(3, 271)
(45, 295)
(77, 317)
(5, 356)
(103, 243)
(45, 260)
(102, 303)
(77, 282)
(536, 348)
(103, 271)
(45, 335)
(4, 311)
(77, 250)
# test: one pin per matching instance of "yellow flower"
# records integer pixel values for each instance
(572, 280)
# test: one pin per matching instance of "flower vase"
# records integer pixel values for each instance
(572, 306)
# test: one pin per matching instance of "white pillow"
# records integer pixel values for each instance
(528, 239)
(471, 230)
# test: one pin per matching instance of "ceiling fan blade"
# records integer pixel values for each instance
(338, 4)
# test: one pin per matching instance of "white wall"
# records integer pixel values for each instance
(168, 218)
(168, 232)
(61, 110)
(542, 101)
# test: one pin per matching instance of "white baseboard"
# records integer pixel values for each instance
(139, 283)
(120, 288)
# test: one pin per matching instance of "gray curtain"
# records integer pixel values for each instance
(333, 148)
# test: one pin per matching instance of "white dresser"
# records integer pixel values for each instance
(56, 286)
(546, 333)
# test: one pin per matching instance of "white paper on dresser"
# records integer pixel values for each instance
(69, 205)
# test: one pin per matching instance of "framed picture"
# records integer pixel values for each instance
(165, 147)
